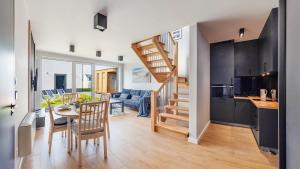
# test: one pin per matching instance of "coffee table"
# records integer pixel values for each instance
(115, 104)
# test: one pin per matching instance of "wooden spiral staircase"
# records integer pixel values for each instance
(169, 104)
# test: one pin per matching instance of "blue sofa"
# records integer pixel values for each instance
(136, 99)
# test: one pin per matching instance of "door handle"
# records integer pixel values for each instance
(11, 106)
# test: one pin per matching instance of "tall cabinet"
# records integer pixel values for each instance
(222, 63)
(268, 44)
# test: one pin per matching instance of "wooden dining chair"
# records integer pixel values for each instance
(91, 124)
(56, 125)
(106, 97)
(69, 98)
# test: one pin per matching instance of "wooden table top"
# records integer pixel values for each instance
(260, 104)
(66, 113)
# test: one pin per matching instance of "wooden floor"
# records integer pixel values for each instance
(132, 145)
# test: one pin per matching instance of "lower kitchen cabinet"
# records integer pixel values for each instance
(243, 112)
(265, 129)
(222, 110)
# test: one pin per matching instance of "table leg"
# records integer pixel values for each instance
(123, 107)
(69, 132)
(110, 108)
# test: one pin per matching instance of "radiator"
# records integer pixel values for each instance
(26, 134)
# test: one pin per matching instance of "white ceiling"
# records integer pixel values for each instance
(58, 23)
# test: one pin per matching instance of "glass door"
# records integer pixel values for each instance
(84, 81)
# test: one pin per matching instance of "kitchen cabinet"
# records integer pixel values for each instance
(243, 111)
(265, 129)
(222, 63)
(268, 44)
(222, 110)
(246, 61)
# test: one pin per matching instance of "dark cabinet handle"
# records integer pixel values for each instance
(11, 106)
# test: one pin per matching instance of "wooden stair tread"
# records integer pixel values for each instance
(175, 116)
(175, 128)
(180, 100)
(147, 47)
(178, 108)
(182, 80)
(184, 85)
(152, 54)
(185, 94)
(153, 67)
(158, 60)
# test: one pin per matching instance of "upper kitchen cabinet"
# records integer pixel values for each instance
(222, 63)
(268, 44)
(246, 60)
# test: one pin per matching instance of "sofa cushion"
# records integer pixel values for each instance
(135, 98)
(147, 93)
(127, 91)
(124, 96)
(131, 103)
(135, 92)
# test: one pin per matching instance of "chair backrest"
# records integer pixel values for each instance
(69, 98)
(49, 93)
(61, 92)
(93, 117)
(50, 113)
(105, 97)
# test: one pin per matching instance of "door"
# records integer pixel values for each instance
(60, 81)
(7, 96)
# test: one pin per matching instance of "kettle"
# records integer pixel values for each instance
(263, 94)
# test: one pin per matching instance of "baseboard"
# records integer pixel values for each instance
(20, 163)
(197, 140)
(203, 131)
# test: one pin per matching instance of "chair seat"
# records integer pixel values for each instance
(86, 132)
(61, 121)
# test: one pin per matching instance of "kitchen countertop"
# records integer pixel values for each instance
(260, 104)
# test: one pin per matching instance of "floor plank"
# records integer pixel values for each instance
(134, 146)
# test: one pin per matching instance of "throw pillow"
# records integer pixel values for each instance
(135, 97)
(147, 94)
(123, 96)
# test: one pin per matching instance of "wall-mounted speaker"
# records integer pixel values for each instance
(120, 58)
(72, 48)
(98, 53)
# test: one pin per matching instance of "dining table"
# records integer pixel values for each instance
(70, 113)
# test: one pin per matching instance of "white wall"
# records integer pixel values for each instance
(52, 67)
(184, 52)
(199, 78)
(21, 53)
(292, 84)
(128, 84)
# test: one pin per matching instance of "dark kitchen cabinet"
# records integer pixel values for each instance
(268, 44)
(222, 110)
(265, 129)
(246, 61)
(243, 112)
(222, 63)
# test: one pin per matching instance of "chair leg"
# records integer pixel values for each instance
(71, 140)
(50, 142)
(105, 145)
(76, 142)
(79, 150)
(86, 141)
(62, 134)
(65, 133)
(94, 141)
(107, 126)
